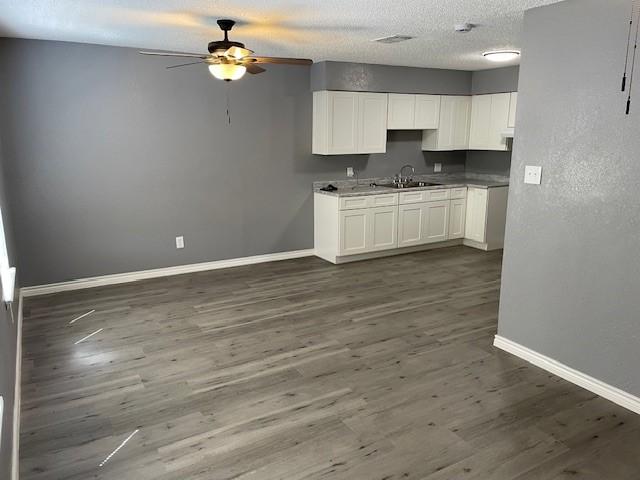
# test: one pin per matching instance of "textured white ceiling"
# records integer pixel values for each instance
(318, 29)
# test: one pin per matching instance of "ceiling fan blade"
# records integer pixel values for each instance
(185, 64)
(169, 54)
(254, 69)
(282, 61)
(237, 52)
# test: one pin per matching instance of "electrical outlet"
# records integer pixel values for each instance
(350, 172)
(532, 175)
(180, 242)
(437, 167)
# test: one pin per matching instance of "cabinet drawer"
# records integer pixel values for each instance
(457, 193)
(436, 195)
(369, 201)
(412, 197)
(349, 203)
(383, 200)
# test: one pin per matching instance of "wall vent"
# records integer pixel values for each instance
(393, 39)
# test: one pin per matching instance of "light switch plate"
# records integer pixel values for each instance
(532, 175)
(437, 167)
(349, 171)
(180, 242)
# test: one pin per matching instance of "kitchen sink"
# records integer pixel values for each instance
(408, 185)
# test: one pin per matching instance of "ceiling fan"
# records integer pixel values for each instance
(229, 60)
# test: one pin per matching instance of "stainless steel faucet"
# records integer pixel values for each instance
(410, 177)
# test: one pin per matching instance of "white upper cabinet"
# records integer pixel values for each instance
(372, 123)
(357, 122)
(512, 110)
(427, 114)
(489, 121)
(453, 128)
(413, 112)
(349, 122)
(401, 112)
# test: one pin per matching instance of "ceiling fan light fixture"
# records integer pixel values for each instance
(227, 71)
(501, 55)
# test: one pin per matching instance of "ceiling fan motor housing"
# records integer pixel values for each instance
(221, 46)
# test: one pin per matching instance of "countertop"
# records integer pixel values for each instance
(352, 189)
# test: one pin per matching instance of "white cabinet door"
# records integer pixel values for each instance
(499, 121)
(401, 112)
(480, 122)
(355, 231)
(489, 120)
(349, 122)
(453, 128)
(461, 122)
(372, 123)
(384, 232)
(343, 121)
(476, 215)
(410, 221)
(427, 112)
(436, 224)
(513, 105)
(457, 218)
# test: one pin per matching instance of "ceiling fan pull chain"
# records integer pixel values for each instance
(626, 58)
(633, 61)
(228, 104)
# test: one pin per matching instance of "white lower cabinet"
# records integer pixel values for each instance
(349, 226)
(476, 215)
(421, 221)
(486, 217)
(384, 228)
(410, 221)
(436, 225)
(355, 231)
(457, 218)
(370, 229)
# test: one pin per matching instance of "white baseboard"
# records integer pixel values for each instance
(159, 272)
(15, 453)
(583, 380)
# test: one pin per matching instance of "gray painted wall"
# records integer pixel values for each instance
(495, 80)
(110, 156)
(362, 77)
(571, 271)
(7, 344)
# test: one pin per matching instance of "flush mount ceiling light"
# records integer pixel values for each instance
(501, 55)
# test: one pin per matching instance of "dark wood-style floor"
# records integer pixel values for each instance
(304, 370)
